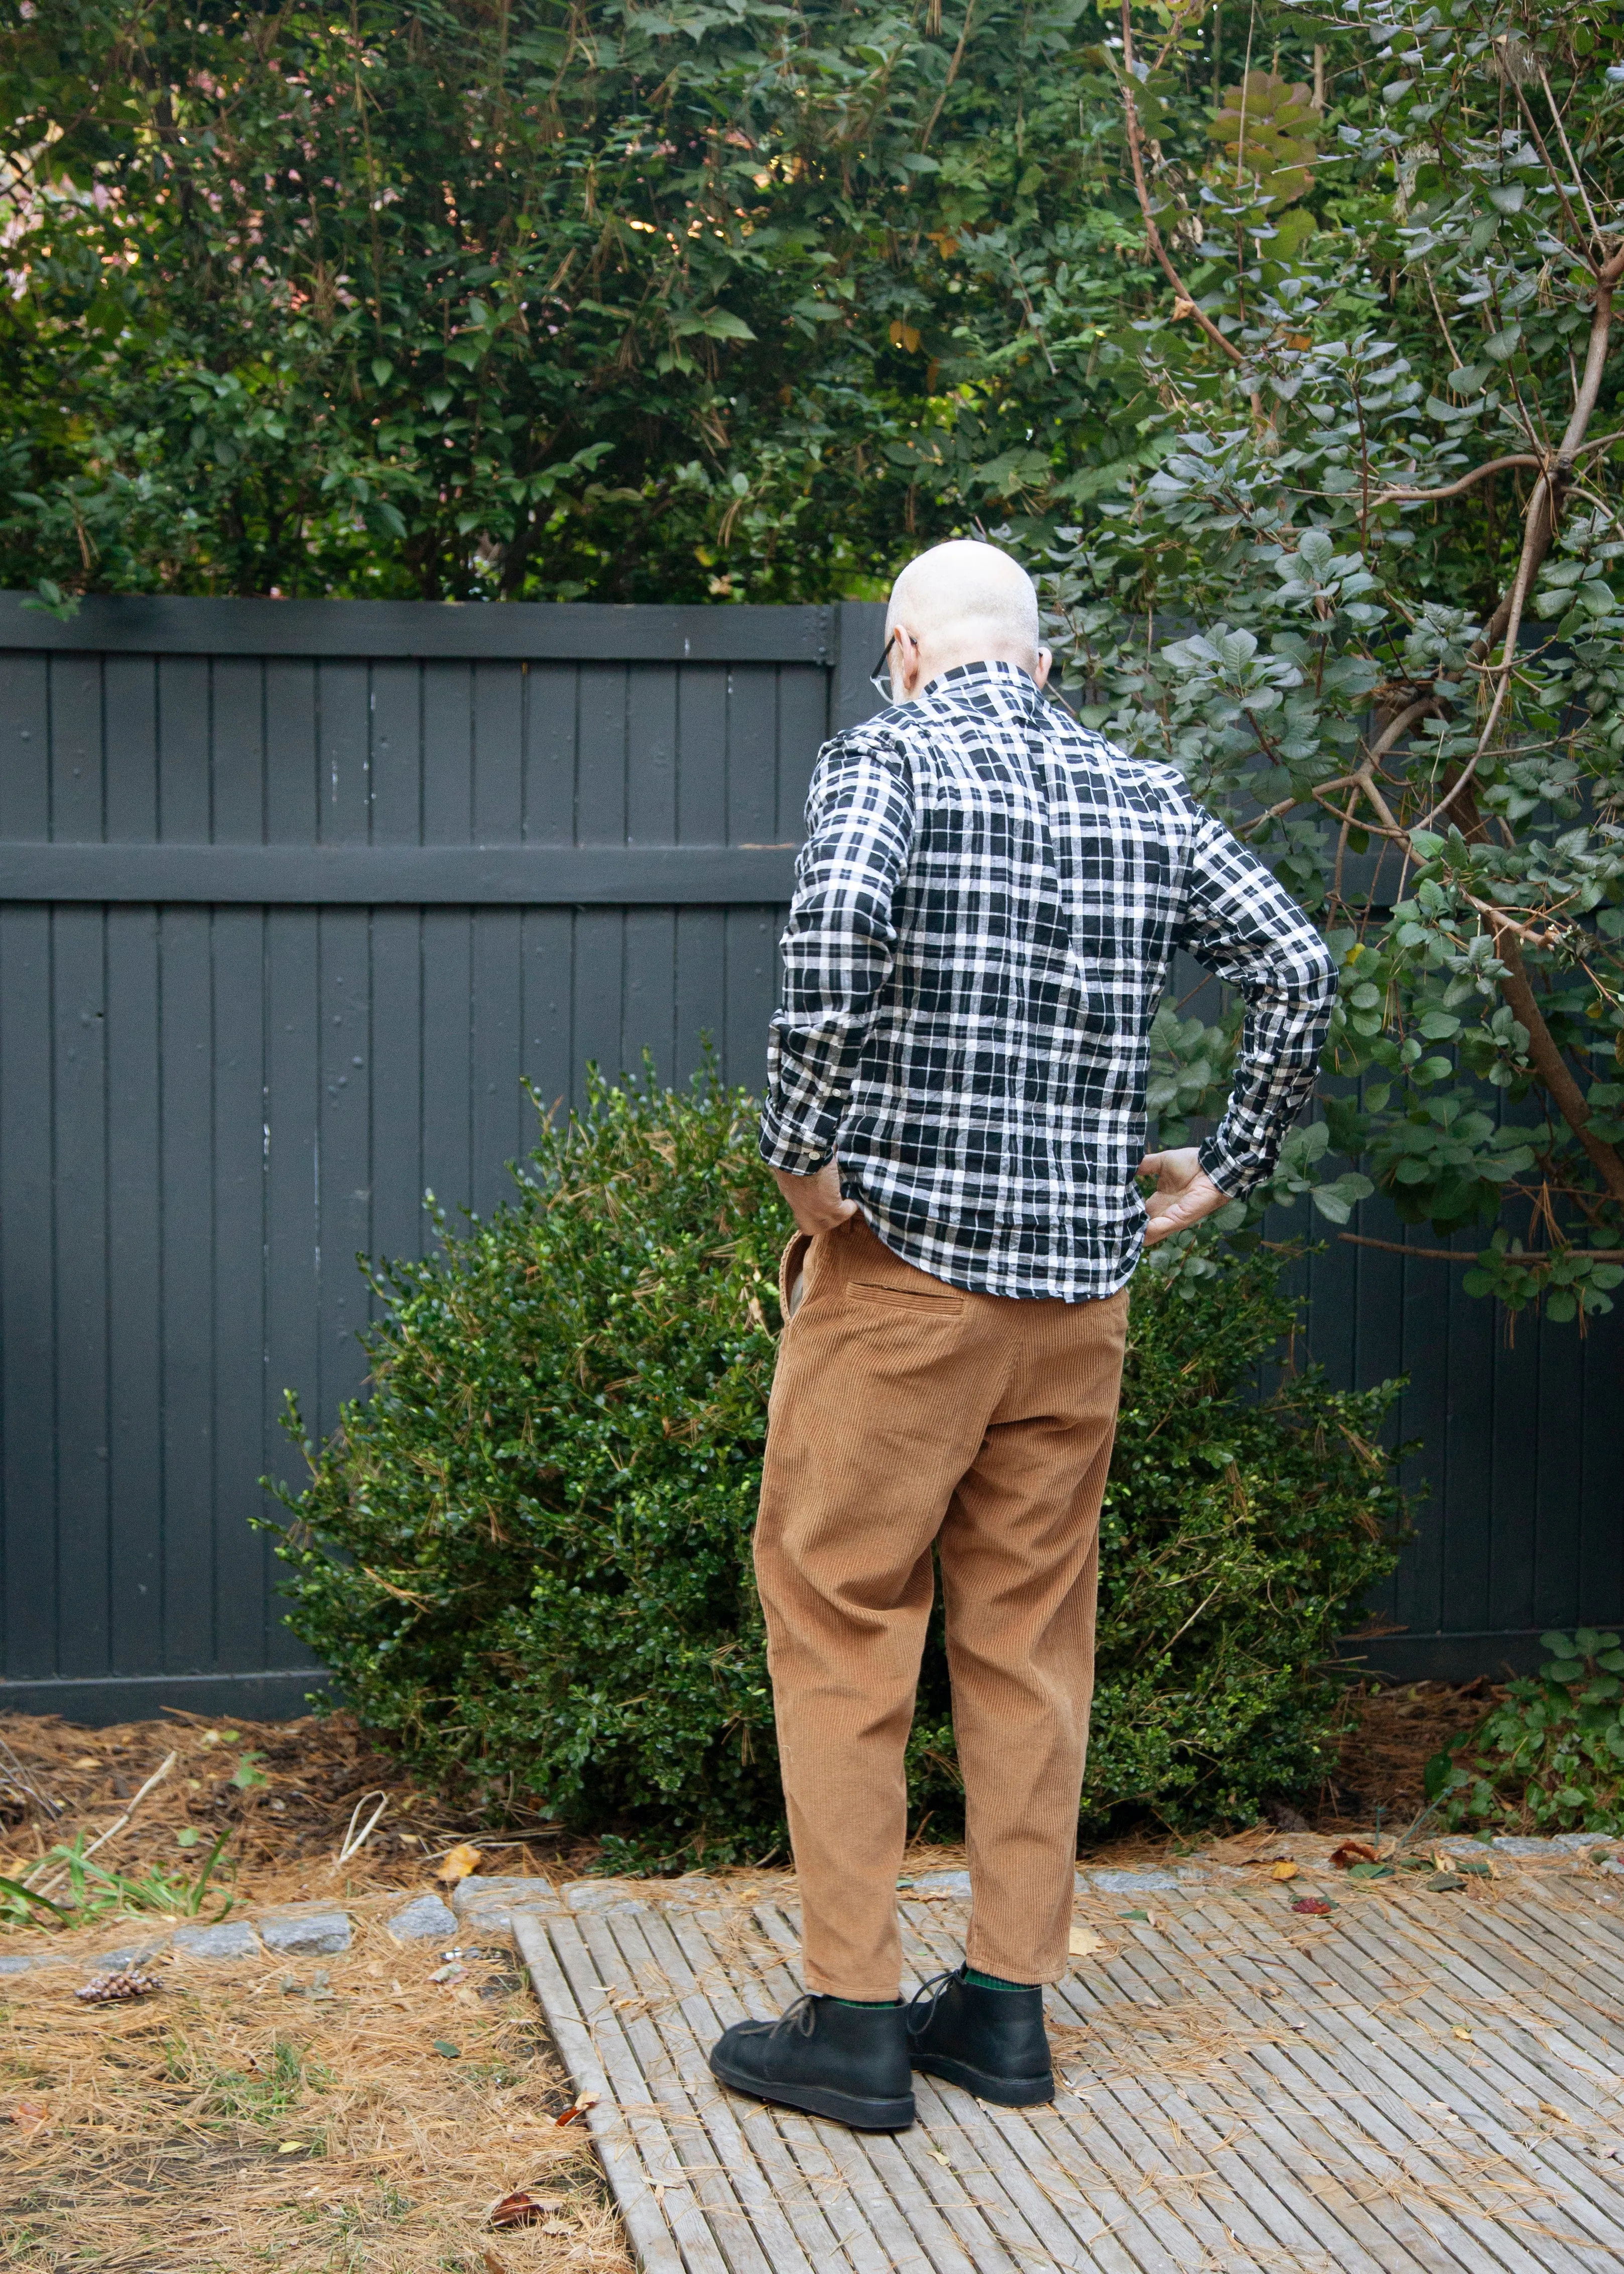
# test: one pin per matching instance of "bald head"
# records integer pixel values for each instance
(962, 603)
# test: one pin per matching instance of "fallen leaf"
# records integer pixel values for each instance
(30, 2116)
(452, 1973)
(1135, 1914)
(1463, 2032)
(445, 2050)
(290, 2147)
(492, 2264)
(579, 2106)
(1083, 1941)
(940, 2159)
(1444, 1883)
(523, 2205)
(1556, 2115)
(463, 1861)
(1284, 1870)
(659, 2191)
(1352, 1851)
(1314, 1906)
(85, 1761)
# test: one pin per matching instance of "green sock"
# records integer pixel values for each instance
(993, 1981)
(868, 2005)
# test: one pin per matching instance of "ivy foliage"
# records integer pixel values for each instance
(528, 1553)
(1368, 601)
(553, 299)
(1550, 1757)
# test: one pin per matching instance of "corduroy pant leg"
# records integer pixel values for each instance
(1019, 1554)
(886, 1382)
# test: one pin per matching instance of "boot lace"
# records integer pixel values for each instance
(800, 2017)
(927, 1995)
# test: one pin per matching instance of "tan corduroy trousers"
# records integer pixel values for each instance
(907, 1415)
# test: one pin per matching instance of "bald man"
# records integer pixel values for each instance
(986, 907)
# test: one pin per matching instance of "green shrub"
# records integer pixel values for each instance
(1550, 1757)
(526, 1556)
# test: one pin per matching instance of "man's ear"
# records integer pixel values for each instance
(1045, 661)
(908, 658)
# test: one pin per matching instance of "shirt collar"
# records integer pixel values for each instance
(965, 678)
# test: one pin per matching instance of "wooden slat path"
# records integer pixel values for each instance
(1418, 2083)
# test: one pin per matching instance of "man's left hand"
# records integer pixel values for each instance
(1185, 1193)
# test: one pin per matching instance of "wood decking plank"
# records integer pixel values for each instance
(1294, 2171)
(722, 2191)
(1361, 2137)
(625, 2165)
(800, 2167)
(1385, 2119)
(1390, 2061)
(1137, 2151)
(700, 2254)
(794, 2234)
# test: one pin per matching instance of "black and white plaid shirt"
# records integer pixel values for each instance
(985, 909)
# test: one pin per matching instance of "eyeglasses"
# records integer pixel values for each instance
(879, 677)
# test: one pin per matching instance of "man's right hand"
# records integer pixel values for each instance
(815, 1201)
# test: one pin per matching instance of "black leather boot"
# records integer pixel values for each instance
(990, 2041)
(850, 2062)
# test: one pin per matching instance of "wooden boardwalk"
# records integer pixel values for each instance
(1418, 2080)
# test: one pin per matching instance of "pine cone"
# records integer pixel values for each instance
(109, 1989)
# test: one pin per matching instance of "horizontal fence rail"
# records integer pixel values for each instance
(294, 899)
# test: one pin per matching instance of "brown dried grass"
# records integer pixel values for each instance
(161, 2147)
(156, 2135)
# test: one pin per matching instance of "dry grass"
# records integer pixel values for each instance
(323, 2115)
(153, 2136)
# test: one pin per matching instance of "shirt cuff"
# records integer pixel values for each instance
(784, 1149)
(1234, 1178)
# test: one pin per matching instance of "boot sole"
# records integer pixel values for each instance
(848, 2108)
(1002, 2091)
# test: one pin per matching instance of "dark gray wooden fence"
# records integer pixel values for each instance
(292, 895)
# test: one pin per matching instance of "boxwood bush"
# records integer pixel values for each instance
(526, 1555)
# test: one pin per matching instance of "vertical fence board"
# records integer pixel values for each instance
(135, 1362)
(188, 1268)
(78, 810)
(241, 1609)
(130, 779)
(80, 1262)
(28, 1295)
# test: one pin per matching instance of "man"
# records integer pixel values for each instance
(985, 911)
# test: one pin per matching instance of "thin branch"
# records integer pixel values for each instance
(156, 1778)
(952, 73)
(1556, 179)
(1185, 302)
(1454, 489)
(1460, 1255)
(1590, 212)
(1549, 1063)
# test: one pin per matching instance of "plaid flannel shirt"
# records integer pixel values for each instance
(986, 907)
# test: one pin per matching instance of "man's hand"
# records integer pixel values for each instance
(1185, 1193)
(815, 1200)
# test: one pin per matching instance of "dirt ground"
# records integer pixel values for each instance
(347, 2115)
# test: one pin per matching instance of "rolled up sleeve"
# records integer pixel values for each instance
(1248, 930)
(838, 945)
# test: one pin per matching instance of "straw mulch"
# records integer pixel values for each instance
(342, 2115)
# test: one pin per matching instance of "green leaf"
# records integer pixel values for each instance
(1502, 346)
(19, 1892)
